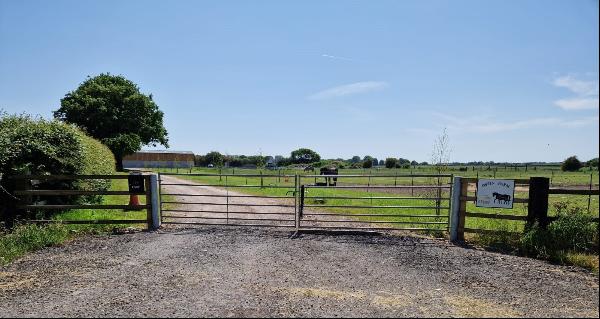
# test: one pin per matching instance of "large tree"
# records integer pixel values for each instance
(214, 158)
(112, 109)
(391, 162)
(304, 155)
(571, 164)
(355, 159)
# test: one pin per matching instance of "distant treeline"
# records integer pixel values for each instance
(307, 157)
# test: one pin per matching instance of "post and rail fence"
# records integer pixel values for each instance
(301, 214)
(537, 205)
(27, 199)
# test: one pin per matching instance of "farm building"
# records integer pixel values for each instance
(151, 159)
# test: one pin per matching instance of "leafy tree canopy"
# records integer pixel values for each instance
(214, 158)
(112, 109)
(571, 164)
(391, 162)
(355, 159)
(304, 156)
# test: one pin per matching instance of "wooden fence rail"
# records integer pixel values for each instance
(23, 189)
(537, 205)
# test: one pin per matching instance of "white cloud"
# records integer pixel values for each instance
(586, 93)
(486, 124)
(329, 56)
(580, 87)
(580, 122)
(349, 89)
(578, 103)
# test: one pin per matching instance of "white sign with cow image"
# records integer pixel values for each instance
(495, 193)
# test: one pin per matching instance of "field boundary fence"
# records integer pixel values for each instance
(537, 201)
(29, 204)
(418, 202)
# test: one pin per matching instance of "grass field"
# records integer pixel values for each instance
(557, 177)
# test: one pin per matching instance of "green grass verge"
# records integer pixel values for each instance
(587, 261)
(26, 238)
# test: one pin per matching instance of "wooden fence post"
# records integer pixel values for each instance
(8, 209)
(23, 184)
(537, 210)
(590, 196)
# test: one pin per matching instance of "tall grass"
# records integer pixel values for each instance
(26, 238)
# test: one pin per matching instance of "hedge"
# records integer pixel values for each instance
(37, 146)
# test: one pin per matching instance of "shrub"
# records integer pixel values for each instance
(571, 164)
(41, 147)
(97, 160)
(573, 231)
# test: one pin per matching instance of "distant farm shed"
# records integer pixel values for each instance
(150, 159)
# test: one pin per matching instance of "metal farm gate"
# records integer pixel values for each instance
(369, 202)
(215, 199)
(372, 202)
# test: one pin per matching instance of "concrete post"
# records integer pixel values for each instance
(155, 201)
(454, 213)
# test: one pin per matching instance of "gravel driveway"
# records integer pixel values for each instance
(251, 272)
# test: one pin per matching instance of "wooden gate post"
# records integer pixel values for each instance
(537, 210)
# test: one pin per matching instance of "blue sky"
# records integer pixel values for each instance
(510, 80)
